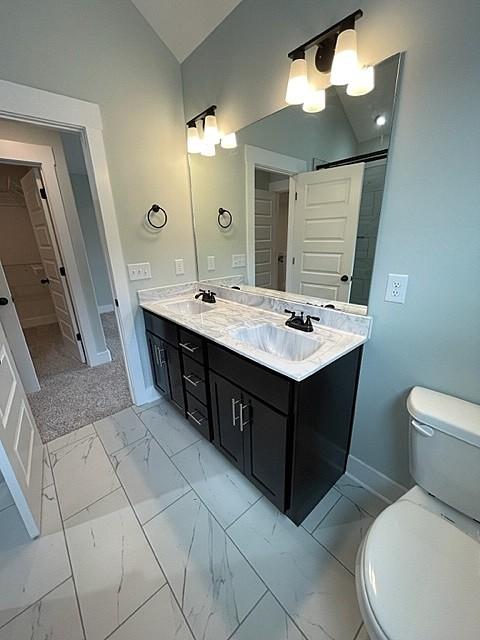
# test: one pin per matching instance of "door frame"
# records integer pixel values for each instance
(258, 158)
(36, 106)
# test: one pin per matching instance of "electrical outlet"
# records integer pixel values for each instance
(396, 288)
(238, 260)
(139, 271)
(210, 263)
(179, 267)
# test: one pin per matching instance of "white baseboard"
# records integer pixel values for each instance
(149, 394)
(101, 357)
(374, 480)
(105, 308)
(38, 321)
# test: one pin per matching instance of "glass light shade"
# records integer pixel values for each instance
(362, 83)
(297, 87)
(345, 61)
(208, 149)
(315, 101)
(211, 134)
(229, 141)
(194, 144)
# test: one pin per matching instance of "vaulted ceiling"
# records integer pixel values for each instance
(184, 24)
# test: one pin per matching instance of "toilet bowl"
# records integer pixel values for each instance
(418, 568)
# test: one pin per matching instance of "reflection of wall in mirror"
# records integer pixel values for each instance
(368, 221)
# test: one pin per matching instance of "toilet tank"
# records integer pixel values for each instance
(445, 448)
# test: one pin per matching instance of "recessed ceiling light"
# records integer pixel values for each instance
(380, 120)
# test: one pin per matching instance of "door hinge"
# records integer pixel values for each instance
(43, 193)
(79, 337)
(116, 302)
(296, 195)
(293, 260)
(62, 271)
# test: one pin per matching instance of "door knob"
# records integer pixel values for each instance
(45, 281)
(3, 301)
(344, 278)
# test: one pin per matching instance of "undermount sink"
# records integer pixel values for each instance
(284, 343)
(190, 307)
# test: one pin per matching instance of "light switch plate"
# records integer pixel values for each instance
(238, 260)
(139, 271)
(396, 288)
(179, 267)
(210, 263)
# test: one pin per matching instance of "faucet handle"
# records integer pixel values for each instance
(292, 313)
(313, 318)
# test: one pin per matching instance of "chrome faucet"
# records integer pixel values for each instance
(207, 296)
(299, 322)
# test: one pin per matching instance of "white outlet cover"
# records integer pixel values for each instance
(210, 263)
(179, 267)
(238, 260)
(139, 271)
(396, 288)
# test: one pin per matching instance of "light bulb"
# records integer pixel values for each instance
(194, 144)
(229, 141)
(208, 149)
(345, 61)
(211, 134)
(362, 83)
(297, 87)
(315, 101)
(380, 120)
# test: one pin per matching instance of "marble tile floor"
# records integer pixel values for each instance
(148, 532)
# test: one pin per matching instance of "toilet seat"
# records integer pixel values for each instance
(418, 577)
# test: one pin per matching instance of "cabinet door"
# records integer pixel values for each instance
(172, 358)
(159, 363)
(226, 400)
(265, 433)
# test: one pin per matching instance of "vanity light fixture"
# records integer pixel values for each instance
(328, 59)
(203, 134)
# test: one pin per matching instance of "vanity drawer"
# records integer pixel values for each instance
(191, 345)
(194, 377)
(266, 385)
(197, 415)
(161, 327)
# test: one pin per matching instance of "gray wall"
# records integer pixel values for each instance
(77, 170)
(430, 227)
(106, 53)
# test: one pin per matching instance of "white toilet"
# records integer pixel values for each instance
(418, 568)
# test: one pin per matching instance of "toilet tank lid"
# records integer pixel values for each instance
(456, 417)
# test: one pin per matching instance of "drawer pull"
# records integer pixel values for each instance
(191, 414)
(189, 378)
(234, 416)
(188, 346)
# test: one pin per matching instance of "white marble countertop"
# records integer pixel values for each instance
(225, 317)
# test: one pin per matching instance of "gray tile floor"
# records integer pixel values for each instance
(148, 532)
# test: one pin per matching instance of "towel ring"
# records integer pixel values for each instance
(222, 212)
(155, 208)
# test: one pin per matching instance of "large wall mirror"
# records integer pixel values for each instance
(304, 192)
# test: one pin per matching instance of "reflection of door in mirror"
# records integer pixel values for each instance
(324, 232)
(271, 223)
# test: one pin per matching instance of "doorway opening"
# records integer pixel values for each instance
(66, 386)
(272, 191)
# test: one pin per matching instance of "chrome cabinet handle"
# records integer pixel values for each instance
(188, 346)
(243, 424)
(191, 414)
(155, 350)
(234, 417)
(189, 379)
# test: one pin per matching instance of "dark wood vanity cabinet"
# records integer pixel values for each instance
(291, 439)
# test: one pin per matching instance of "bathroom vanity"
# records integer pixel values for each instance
(276, 402)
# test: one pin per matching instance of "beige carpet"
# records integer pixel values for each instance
(72, 394)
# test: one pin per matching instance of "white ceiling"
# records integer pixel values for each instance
(184, 24)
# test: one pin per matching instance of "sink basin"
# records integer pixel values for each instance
(190, 307)
(284, 343)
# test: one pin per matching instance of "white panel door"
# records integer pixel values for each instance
(325, 230)
(50, 255)
(16, 337)
(265, 235)
(21, 450)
